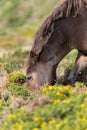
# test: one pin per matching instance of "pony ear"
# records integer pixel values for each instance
(33, 56)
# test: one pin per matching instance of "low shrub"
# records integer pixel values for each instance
(17, 77)
(66, 111)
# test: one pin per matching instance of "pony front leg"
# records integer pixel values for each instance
(80, 64)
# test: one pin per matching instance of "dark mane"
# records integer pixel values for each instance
(66, 9)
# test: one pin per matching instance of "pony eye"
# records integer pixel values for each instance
(29, 78)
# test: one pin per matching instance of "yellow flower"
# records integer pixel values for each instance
(82, 105)
(43, 124)
(52, 121)
(44, 89)
(35, 129)
(37, 119)
(66, 101)
(14, 116)
(56, 101)
(60, 88)
(1, 101)
(17, 124)
(9, 116)
(60, 94)
(69, 88)
(50, 87)
(20, 127)
(84, 118)
(58, 125)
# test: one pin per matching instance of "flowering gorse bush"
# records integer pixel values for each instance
(17, 77)
(15, 85)
(67, 110)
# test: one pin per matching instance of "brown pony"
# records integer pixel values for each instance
(65, 29)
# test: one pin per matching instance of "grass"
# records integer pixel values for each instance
(21, 13)
(15, 61)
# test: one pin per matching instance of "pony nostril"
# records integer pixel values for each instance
(29, 78)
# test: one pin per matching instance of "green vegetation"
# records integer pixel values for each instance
(54, 107)
(15, 15)
(61, 110)
(13, 61)
(17, 77)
